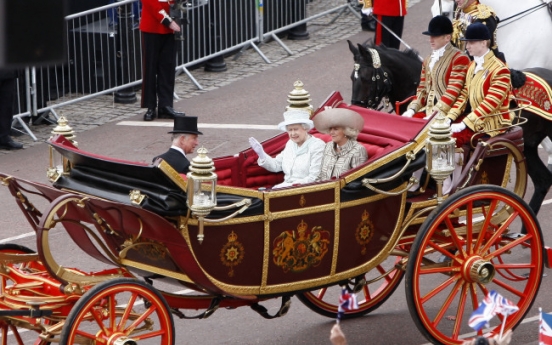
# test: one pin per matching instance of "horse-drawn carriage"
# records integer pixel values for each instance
(234, 242)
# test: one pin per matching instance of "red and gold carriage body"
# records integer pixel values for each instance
(361, 231)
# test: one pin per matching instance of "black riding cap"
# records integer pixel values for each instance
(439, 26)
(477, 32)
(185, 124)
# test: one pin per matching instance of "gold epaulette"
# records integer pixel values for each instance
(484, 12)
(365, 3)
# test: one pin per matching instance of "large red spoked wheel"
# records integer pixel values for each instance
(381, 282)
(9, 333)
(464, 250)
(119, 311)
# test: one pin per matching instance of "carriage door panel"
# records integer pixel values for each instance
(367, 231)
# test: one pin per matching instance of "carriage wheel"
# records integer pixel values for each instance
(119, 311)
(9, 334)
(381, 282)
(462, 252)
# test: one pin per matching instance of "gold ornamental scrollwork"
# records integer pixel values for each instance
(297, 250)
(484, 178)
(232, 253)
(364, 231)
(302, 200)
(136, 197)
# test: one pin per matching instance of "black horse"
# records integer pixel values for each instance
(384, 74)
(396, 77)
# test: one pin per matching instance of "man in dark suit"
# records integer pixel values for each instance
(184, 141)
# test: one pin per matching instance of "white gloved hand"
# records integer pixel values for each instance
(408, 113)
(449, 121)
(458, 127)
(368, 11)
(257, 147)
(506, 338)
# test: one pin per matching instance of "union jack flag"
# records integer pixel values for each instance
(493, 304)
(347, 301)
(545, 328)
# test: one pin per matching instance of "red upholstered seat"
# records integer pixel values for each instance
(382, 133)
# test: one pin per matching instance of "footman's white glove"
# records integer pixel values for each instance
(368, 11)
(408, 113)
(458, 127)
(257, 147)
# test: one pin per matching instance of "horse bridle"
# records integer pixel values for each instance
(380, 82)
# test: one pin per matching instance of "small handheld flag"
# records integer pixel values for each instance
(493, 304)
(545, 328)
(347, 301)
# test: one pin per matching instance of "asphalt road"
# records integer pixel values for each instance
(258, 99)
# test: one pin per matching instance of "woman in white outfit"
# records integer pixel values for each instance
(302, 156)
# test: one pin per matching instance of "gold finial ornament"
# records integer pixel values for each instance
(64, 129)
(299, 98)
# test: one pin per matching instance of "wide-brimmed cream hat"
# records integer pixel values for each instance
(296, 116)
(338, 117)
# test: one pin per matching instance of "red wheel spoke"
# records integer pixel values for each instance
(16, 334)
(149, 335)
(438, 289)
(99, 321)
(85, 334)
(515, 266)
(367, 294)
(508, 287)
(486, 222)
(112, 305)
(127, 312)
(460, 312)
(507, 247)
(455, 239)
(469, 228)
(447, 303)
(142, 317)
(497, 236)
(440, 249)
(322, 293)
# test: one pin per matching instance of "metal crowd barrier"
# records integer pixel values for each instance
(104, 45)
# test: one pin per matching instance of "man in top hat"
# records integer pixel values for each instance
(184, 141)
(472, 11)
(443, 72)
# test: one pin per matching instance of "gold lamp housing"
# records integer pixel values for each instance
(440, 147)
(58, 164)
(202, 183)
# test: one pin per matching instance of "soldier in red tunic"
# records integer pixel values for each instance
(443, 72)
(389, 12)
(158, 59)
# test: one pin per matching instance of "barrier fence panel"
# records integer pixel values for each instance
(104, 45)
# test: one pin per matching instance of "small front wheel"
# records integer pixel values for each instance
(120, 311)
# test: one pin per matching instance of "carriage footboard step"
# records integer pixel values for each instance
(284, 308)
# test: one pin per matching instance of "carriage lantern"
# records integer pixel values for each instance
(58, 164)
(440, 148)
(202, 182)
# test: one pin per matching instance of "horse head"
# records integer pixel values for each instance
(371, 82)
(383, 74)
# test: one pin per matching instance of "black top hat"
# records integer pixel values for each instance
(185, 124)
(439, 26)
(477, 32)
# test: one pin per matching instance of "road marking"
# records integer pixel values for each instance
(199, 125)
